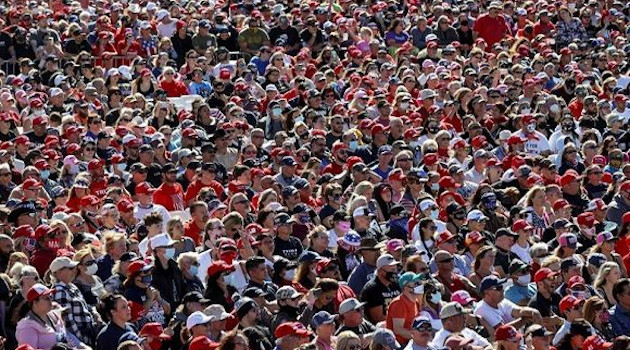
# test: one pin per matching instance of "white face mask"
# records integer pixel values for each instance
(289, 274)
(525, 279)
(404, 105)
(531, 127)
(91, 270)
(418, 289)
(435, 214)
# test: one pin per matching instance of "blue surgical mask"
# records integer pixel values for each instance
(194, 270)
(276, 111)
(121, 166)
(435, 214)
(147, 279)
(353, 145)
(435, 186)
(44, 174)
(169, 253)
(436, 297)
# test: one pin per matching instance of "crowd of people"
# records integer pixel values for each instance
(335, 175)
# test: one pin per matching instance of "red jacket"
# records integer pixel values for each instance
(174, 88)
(170, 196)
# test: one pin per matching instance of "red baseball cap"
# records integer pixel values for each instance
(430, 159)
(23, 231)
(515, 139)
(379, 128)
(255, 229)
(473, 237)
(95, 163)
(569, 177)
(154, 329)
(575, 280)
(561, 204)
(138, 266)
(586, 219)
(202, 343)
(543, 274)
(291, 328)
(448, 182)
(190, 132)
(521, 225)
(31, 184)
(144, 188)
(125, 206)
(40, 120)
(507, 332)
(569, 302)
(444, 236)
(218, 267)
(22, 140)
(42, 231)
(479, 141)
(37, 290)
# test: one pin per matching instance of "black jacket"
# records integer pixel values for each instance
(169, 282)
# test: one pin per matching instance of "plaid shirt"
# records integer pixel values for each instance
(80, 318)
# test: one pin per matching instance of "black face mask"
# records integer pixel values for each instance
(459, 215)
(392, 276)
(568, 127)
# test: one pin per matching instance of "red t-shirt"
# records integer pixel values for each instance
(99, 188)
(174, 88)
(193, 231)
(492, 30)
(401, 307)
(332, 168)
(170, 196)
(543, 28)
(197, 185)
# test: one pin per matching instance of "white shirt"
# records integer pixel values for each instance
(167, 30)
(534, 146)
(139, 213)
(495, 317)
(441, 336)
(473, 175)
(522, 253)
(564, 330)
(205, 260)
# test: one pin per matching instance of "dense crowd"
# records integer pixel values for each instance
(335, 175)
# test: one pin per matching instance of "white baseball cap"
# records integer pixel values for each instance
(163, 240)
(197, 318)
(62, 262)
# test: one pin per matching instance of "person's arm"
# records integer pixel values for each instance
(528, 313)
(399, 328)
(376, 313)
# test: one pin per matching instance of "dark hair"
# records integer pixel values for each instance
(620, 287)
(153, 218)
(253, 263)
(109, 304)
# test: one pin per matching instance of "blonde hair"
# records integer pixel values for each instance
(192, 256)
(362, 187)
(592, 305)
(344, 338)
(603, 272)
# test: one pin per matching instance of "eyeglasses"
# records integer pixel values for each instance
(90, 149)
(404, 160)
(89, 263)
(244, 201)
(496, 288)
(78, 224)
